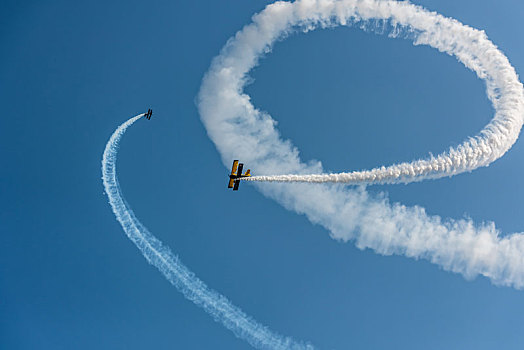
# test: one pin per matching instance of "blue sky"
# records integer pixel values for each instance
(69, 278)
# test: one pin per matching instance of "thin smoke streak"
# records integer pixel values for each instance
(215, 304)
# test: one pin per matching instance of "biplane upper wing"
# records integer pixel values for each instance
(238, 176)
(240, 168)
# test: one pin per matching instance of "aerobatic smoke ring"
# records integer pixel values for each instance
(240, 131)
(468, 45)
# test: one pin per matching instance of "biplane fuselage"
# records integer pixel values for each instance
(148, 114)
(236, 175)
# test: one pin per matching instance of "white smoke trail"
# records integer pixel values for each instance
(177, 273)
(240, 131)
(469, 45)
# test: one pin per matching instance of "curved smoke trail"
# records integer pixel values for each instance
(468, 45)
(240, 131)
(177, 273)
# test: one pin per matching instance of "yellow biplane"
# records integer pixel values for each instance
(236, 174)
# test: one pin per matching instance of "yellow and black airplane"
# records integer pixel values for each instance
(236, 174)
(148, 114)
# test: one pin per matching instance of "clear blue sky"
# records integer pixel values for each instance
(70, 279)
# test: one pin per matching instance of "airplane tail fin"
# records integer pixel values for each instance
(248, 172)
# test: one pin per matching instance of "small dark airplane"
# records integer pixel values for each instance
(236, 174)
(148, 114)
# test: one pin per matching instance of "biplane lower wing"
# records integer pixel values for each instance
(233, 174)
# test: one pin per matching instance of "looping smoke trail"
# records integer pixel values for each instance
(177, 273)
(240, 131)
(468, 45)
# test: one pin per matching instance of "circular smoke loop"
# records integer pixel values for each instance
(241, 131)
